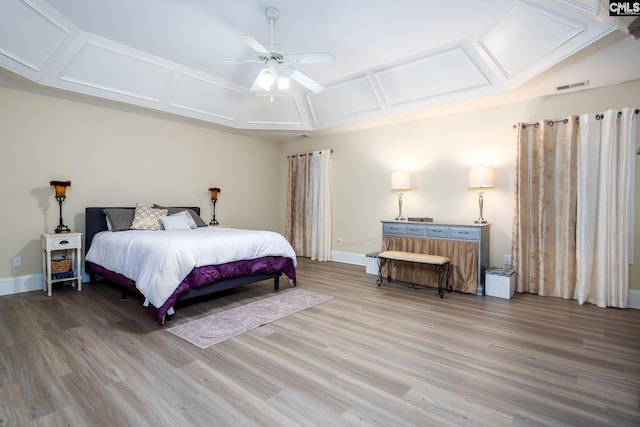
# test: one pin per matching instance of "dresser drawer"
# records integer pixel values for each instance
(62, 242)
(395, 229)
(464, 233)
(416, 230)
(438, 232)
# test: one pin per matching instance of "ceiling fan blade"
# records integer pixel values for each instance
(255, 45)
(303, 79)
(232, 61)
(311, 58)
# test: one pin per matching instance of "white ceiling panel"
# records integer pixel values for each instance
(108, 69)
(276, 111)
(28, 36)
(589, 6)
(442, 73)
(526, 35)
(201, 96)
(343, 100)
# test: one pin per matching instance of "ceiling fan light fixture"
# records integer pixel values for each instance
(265, 79)
(282, 82)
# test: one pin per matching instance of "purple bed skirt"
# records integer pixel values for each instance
(201, 277)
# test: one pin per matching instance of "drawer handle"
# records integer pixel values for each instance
(414, 229)
(64, 242)
(437, 231)
(395, 228)
(463, 232)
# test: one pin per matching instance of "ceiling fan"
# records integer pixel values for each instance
(278, 64)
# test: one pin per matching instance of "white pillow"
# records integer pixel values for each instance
(187, 216)
(175, 222)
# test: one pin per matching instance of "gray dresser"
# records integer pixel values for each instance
(463, 232)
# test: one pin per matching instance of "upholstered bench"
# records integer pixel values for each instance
(441, 263)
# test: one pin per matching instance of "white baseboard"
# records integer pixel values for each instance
(348, 258)
(33, 282)
(634, 298)
(16, 285)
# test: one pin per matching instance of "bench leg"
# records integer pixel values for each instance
(381, 261)
(444, 272)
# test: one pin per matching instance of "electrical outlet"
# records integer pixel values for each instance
(507, 260)
(339, 242)
(17, 261)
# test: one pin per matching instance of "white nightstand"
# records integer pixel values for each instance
(58, 242)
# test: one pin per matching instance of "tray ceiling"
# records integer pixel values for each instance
(391, 58)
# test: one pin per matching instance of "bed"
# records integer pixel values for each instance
(178, 264)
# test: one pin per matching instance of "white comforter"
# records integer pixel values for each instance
(159, 260)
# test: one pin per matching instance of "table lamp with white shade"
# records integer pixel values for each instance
(400, 182)
(481, 177)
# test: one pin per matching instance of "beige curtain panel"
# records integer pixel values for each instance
(544, 244)
(573, 213)
(308, 226)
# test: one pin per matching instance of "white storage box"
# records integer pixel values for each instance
(500, 282)
(371, 263)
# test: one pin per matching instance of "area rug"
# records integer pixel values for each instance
(221, 326)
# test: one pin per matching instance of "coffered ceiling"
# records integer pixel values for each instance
(390, 57)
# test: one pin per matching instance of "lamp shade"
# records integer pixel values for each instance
(481, 177)
(400, 181)
(214, 192)
(60, 187)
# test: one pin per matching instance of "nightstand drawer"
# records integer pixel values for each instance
(62, 242)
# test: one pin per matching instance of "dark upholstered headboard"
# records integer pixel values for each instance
(96, 221)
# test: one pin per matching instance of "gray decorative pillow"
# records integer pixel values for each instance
(146, 218)
(120, 219)
(199, 221)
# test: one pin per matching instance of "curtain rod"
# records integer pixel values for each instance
(304, 154)
(565, 121)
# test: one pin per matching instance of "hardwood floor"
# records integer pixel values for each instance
(391, 356)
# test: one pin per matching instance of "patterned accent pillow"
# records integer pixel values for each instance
(148, 218)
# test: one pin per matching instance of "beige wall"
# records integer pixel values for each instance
(115, 157)
(439, 151)
(119, 158)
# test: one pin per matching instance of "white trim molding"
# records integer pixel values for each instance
(16, 285)
(634, 298)
(348, 258)
(29, 283)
